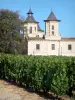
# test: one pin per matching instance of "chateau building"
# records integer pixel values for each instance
(50, 42)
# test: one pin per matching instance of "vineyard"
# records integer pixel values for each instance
(40, 73)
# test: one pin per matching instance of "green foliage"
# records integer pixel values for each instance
(11, 40)
(44, 73)
(60, 79)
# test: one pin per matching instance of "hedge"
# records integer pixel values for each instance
(46, 73)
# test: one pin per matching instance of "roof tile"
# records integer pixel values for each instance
(30, 19)
(52, 17)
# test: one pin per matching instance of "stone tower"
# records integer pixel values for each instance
(51, 27)
(31, 26)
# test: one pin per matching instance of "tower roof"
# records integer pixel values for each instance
(30, 17)
(52, 17)
(39, 29)
(30, 11)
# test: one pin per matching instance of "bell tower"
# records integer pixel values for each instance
(52, 27)
(30, 25)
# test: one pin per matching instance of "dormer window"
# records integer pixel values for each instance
(52, 27)
(30, 29)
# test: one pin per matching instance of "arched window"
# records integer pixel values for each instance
(52, 27)
(35, 29)
(30, 29)
(52, 32)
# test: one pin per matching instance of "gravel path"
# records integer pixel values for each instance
(13, 92)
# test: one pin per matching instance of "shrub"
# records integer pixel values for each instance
(44, 73)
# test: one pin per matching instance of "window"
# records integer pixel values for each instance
(21, 31)
(52, 32)
(35, 29)
(69, 47)
(52, 27)
(25, 29)
(37, 36)
(53, 46)
(37, 46)
(30, 29)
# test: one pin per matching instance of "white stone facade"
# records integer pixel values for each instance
(52, 43)
(35, 31)
(61, 47)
